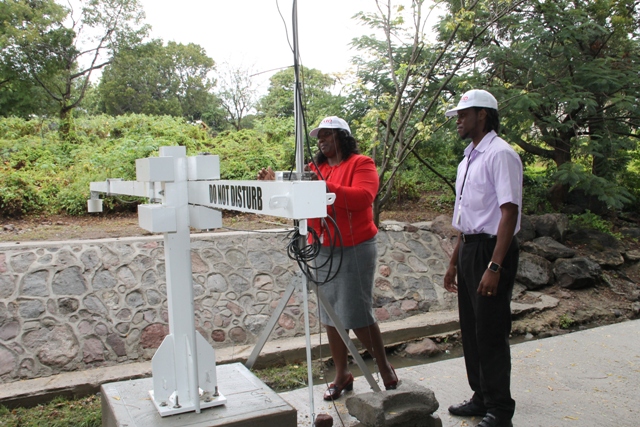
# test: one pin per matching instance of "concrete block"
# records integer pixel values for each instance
(250, 403)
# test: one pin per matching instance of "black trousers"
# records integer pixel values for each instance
(485, 323)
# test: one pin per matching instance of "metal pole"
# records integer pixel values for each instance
(297, 102)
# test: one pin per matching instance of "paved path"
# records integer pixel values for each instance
(587, 378)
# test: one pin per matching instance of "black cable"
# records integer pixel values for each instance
(306, 254)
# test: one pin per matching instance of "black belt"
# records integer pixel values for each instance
(468, 238)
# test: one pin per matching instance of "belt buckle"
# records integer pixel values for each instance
(464, 239)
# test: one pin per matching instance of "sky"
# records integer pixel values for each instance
(250, 34)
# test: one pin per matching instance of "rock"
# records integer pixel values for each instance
(9, 330)
(7, 286)
(69, 281)
(425, 347)
(117, 345)
(390, 225)
(552, 225)
(323, 420)
(68, 305)
(21, 262)
(30, 309)
(238, 335)
(104, 279)
(54, 347)
(632, 255)
(92, 350)
(530, 302)
(410, 405)
(8, 360)
(442, 227)
(153, 335)
(600, 247)
(576, 273)
(527, 229)
(632, 232)
(534, 271)
(548, 248)
(424, 225)
(35, 284)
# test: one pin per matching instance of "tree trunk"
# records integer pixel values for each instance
(66, 123)
(376, 211)
(559, 192)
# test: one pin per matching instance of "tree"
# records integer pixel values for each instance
(237, 93)
(570, 72)
(161, 80)
(60, 51)
(31, 22)
(318, 100)
(406, 82)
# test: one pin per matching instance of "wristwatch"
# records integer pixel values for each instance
(493, 266)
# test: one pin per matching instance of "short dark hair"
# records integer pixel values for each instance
(493, 119)
(348, 146)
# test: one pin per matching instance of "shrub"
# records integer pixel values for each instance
(594, 222)
(18, 194)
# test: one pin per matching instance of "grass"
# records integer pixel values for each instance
(288, 377)
(60, 412)
(87, 412)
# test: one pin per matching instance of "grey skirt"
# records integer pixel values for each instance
(350, 293)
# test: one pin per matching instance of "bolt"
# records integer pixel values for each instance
(177, 405)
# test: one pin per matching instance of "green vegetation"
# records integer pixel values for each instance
(42, 173)
(594, 222)
(566, 321)
(290, 377)
(60, 412)
(575, 120)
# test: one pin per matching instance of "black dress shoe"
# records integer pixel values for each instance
(468, 408)
(491, 420)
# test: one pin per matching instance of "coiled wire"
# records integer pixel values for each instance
(305, 249)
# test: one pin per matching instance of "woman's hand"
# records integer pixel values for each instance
(312, 175)
(266, 174)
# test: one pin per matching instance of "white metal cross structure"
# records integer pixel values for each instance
(188, 192)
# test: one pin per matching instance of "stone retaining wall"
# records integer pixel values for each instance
(74, 305)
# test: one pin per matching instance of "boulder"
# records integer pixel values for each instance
(442, 227)
(527, 229)
(599, 247)
(410, 405)
(631, 232)
(534, 271)
(424, 347)
(548, 248)
(576, 273)
(553, 225)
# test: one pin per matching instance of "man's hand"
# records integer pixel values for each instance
(489, 283)
(266, 174)
(450, 283)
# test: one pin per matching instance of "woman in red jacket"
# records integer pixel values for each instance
(354, 180)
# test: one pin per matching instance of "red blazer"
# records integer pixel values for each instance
(355, 183)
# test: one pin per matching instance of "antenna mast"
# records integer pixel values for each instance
(297, 94)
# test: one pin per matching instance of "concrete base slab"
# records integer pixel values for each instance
(587, 378)
(249, 403)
